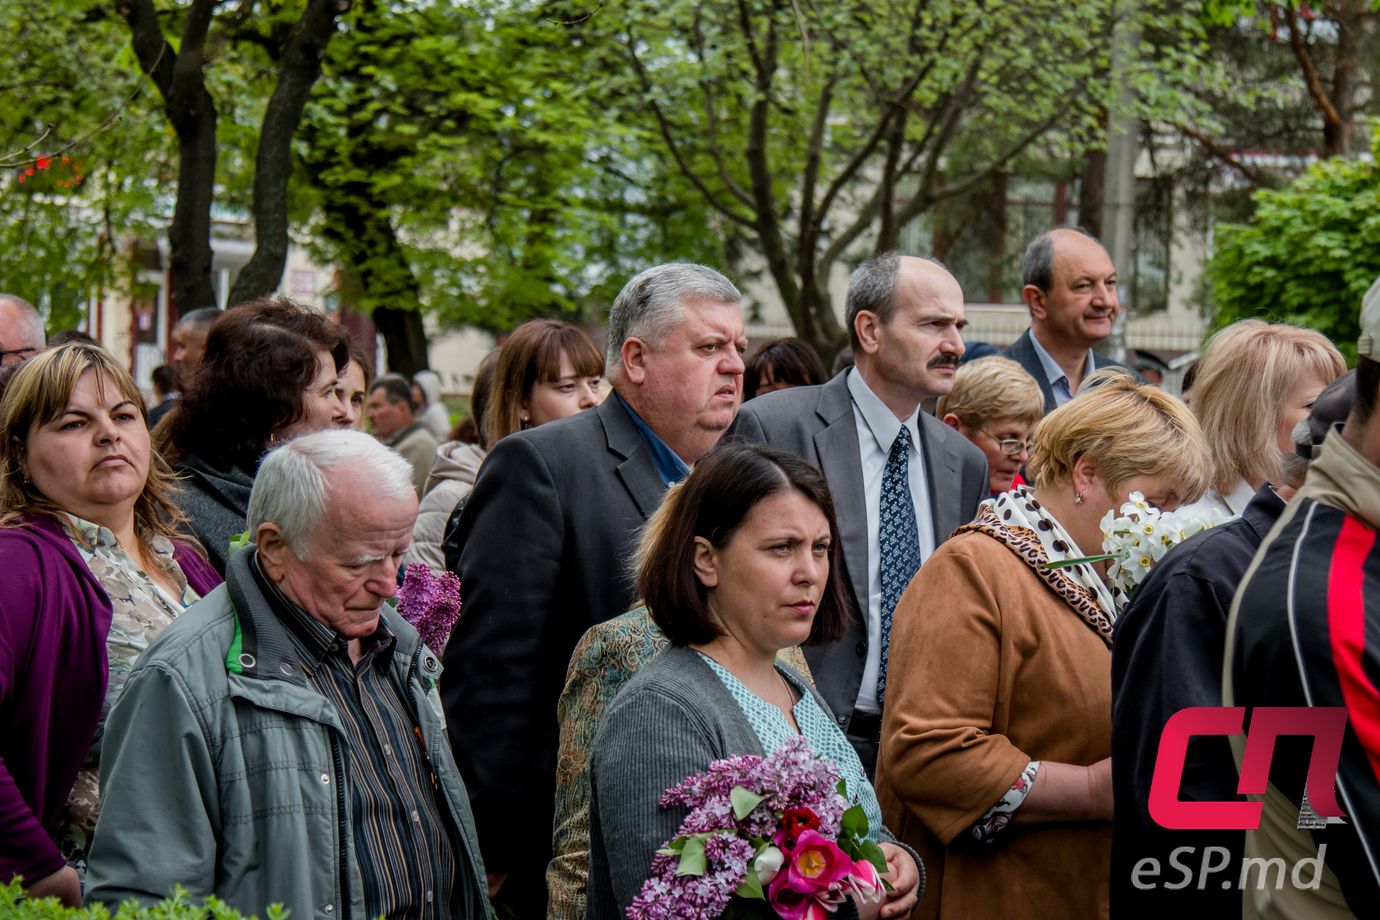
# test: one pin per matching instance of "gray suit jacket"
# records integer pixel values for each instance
(1023, 353)
(817, 423)
(544, 541)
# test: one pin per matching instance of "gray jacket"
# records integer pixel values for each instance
(221, 770)
(672, 719)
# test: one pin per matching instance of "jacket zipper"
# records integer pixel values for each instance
(345, 897)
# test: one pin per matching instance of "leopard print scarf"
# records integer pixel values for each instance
(1016, 520)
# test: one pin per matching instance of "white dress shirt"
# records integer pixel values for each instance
(877, 430)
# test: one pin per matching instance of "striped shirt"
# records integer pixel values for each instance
(404, 844)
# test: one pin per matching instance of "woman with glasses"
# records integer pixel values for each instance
(996, 405)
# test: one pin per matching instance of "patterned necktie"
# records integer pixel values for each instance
(900, 542)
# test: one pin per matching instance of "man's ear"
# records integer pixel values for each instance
(633, 356)
(273, 549)
(868, 326)
(1035, 299)
(706, 570)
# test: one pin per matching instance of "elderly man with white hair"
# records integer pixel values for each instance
(282, 741)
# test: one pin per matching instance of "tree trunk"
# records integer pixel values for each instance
(181, 81)
(297, 73)
(1092, 187)
(1337, 131)
(403, 338)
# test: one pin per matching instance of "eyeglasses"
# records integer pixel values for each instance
(1012, 447)
(23, 354)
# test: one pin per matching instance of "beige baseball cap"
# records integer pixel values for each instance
(1368, 345)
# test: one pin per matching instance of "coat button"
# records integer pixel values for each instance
(325, 779)
(842, 720)
(862, 648)
(329, 909)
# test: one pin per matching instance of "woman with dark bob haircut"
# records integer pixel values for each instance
(735, 566)
(780, 365)
(271, 371)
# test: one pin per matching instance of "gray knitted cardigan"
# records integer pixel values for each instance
(671, 720)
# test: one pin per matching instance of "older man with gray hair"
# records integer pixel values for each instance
(542, 542)
(21, 330)
(282, 741)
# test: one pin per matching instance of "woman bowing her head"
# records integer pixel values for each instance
(93, 571)
(736, 565)
(996, 735)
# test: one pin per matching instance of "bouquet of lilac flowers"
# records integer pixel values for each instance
(766, 837)
(430, 602)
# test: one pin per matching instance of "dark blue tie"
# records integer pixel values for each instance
(900, 542)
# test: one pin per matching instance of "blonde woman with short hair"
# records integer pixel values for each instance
(1255, 382)
(995, 404)
(996, 736)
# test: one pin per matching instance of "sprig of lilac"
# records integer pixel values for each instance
(790, 777)
(668, 896)
(430, 602)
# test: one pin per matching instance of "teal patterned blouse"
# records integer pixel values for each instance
(774, 729)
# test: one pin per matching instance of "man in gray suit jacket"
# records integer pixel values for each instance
(544, 541)
(1069, 284)
(904, 316)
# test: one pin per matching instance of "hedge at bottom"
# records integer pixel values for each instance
(15, 906)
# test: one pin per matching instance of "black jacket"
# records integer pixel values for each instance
(1167, 656)
(542, 544)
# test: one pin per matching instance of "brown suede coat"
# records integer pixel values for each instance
(990, 669)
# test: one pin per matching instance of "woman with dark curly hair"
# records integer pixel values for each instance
(270, 372)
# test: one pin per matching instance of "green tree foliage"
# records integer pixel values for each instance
(468, 160)
(81, 162)
(818, 131)
(1308, 255)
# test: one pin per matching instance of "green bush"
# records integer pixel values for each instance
(1308, 255)
(15, 906)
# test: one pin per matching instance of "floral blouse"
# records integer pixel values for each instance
(140, 610)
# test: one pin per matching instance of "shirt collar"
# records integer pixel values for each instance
(314, 638)
(1237, 499)
(94, 535)
(669, 466)
(881, 421)
(1053, 372)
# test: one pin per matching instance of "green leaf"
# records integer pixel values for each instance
(1065, 563)
(744, 801)
(854, 824)
(751, 886)
(873, 853)
(692, 858)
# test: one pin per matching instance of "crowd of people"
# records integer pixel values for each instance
(677, 551)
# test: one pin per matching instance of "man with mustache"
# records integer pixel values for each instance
(1070, 287)
(901, 480)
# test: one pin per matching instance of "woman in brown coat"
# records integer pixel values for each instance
(995, 762)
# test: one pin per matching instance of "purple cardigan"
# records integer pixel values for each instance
(54, 621)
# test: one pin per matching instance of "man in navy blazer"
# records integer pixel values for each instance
(543, 542)
(1069, 284)
(904, 316)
